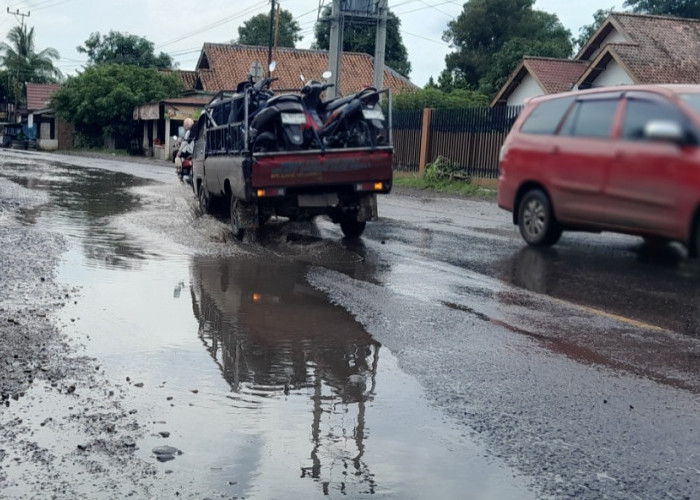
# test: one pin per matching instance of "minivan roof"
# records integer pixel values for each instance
(670, 88)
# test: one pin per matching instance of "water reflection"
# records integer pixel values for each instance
(83, 203)
(272, 334)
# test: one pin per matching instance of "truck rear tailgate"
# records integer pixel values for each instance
(313, 168)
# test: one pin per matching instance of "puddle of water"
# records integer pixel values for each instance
(268, 390)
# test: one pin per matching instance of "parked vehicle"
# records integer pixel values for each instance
(623, 159)
(278, 176)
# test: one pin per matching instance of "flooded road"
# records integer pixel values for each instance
(435, 358)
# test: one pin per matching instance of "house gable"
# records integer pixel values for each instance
(611, 31)
(527, 88)
(548, 74)
(608, 69)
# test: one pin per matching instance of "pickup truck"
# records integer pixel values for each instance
(340, 183)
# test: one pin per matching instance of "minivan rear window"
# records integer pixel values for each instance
(545, 118)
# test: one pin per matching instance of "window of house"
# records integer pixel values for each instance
(545, 118)
(590, 118)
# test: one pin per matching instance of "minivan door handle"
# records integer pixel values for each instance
(555, 150)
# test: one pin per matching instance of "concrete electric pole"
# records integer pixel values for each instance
(335, 48)
(380, 45)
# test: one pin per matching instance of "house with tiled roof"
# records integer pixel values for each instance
(626, 49)
(40, 121)
(539, 76)
(223, 66)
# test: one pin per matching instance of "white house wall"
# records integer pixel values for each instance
(613, 75)
(528, 88)
(614, 37)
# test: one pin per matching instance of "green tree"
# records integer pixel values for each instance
(586, 32)
(491, 36)
(678, 8)
(23, 64)
(256, 30)
(122, 48)
(100, 101)
(361, 37)
(431, 97)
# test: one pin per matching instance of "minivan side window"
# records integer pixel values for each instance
(590, 118)
(545, 118)
(639, 112)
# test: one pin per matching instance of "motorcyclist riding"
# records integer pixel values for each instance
(185, 150)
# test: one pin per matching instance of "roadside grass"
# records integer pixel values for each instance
(444, 176)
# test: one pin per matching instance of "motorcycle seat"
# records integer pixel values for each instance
(283, 98)
(334, 104)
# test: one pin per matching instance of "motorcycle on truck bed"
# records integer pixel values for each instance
(264, 156)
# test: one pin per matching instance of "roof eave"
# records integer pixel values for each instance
(610, 21)
(594, 66)
(507, 88)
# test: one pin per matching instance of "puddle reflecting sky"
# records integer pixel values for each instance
(268, 389)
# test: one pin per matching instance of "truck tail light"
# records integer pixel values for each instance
(266, 193)
(370, 186)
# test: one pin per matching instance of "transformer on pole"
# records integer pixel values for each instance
(363, 11)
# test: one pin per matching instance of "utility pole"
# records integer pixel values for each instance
(335, 48)
(19, 14)
(270, 41)
(18, 86)
(380, 45)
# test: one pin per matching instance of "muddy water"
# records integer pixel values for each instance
(227, 353)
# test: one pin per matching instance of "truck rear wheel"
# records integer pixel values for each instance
(238, 231)
(352, 229)
(204, 201)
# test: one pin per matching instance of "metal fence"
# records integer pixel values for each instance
(406, 133)
(470, 138)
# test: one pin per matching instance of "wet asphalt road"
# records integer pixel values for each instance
(437, 357)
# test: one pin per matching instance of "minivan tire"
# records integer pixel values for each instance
(536, 220)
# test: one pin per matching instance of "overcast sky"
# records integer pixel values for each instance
(180, 27)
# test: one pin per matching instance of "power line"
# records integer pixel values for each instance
(424, 38)
(427, 7)
(438, 10)
(213, 25)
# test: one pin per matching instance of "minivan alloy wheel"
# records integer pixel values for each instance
(534, 218)
(538, 226)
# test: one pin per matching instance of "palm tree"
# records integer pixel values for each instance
(23, 64)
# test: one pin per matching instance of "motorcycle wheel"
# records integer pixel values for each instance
(360, 135)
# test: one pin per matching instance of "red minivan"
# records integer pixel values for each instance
(623, 159)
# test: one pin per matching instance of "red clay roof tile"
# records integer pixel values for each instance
(556, 75)
(39, 95)
(222, 66)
